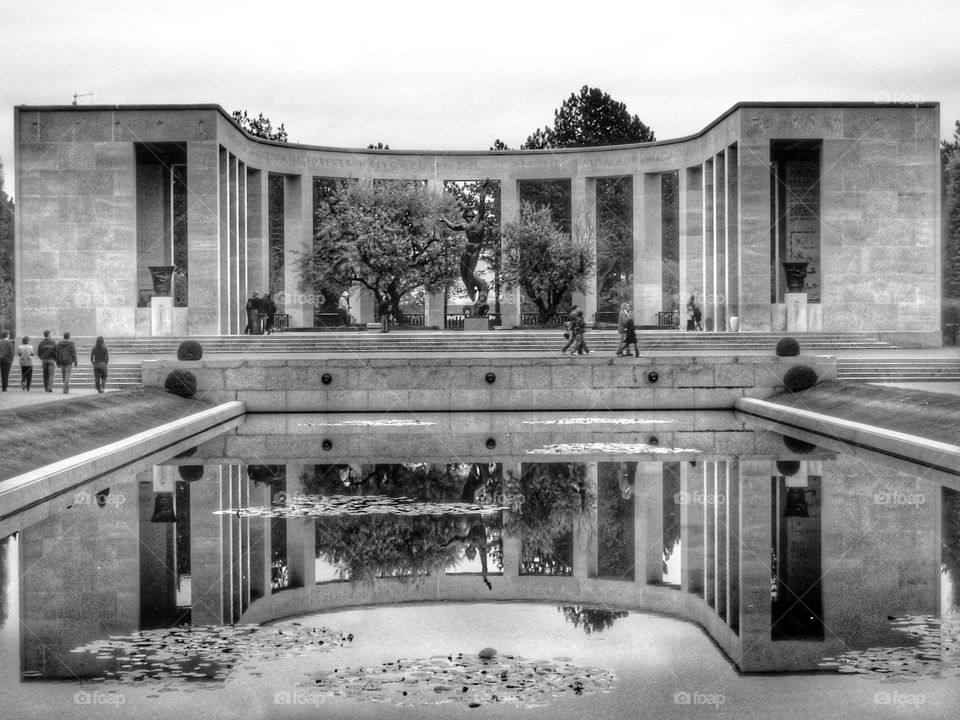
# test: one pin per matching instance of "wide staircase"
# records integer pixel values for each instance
(898, 369)
(126, 353)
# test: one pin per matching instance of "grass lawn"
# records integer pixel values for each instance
(930, 415)
(37, 435)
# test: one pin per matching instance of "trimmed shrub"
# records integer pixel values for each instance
(182, 383)
(788, 468)
(189, 350)
(799, 377)
(788, 347)
(190, 473)
(800, 447)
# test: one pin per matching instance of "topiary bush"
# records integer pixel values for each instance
(799, 377)
(795, 445)
(190, 473)
(189, 350)
(788, 468)
(788, 347)
(182, 383)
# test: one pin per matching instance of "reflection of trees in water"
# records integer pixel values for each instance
(671, 510)
(591, 619)
(422, 481)
(951, 540)
(366, 547)
(552, 494)
(4, 578)
(615, 551)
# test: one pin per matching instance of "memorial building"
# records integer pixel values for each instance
(785, 217)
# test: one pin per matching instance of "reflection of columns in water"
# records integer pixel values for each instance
(259, 542)
(301, 536)
(648, 514)
(691, 529)
(208, 575)
(158, 577)
(755, 535)
(585, 527)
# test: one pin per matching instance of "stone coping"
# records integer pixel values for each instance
(923, 451)
(106, 464)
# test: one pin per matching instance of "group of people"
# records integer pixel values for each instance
(261, 315)
(51, 354)
(576, 328)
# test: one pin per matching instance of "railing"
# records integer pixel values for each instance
(454, 321)
(554, 320)
(611, 317)
(668, 318)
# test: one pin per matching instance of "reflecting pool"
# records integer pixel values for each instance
(553, 565)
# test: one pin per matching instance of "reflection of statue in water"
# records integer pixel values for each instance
(477, 287)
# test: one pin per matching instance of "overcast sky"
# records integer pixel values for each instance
(455, 76)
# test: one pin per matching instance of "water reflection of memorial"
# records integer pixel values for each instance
(785, 554)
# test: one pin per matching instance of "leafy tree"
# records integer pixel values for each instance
(589, 119)
(7, 300)
(260, 126)
(950, 173)
(378, 146)
(384, 236)
(545, 262)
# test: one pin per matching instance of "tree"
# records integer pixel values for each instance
(7, 299)
(589, 119)
(950, 251)
(260, 126)
(385, 237)
(378, 146)
(545, 262)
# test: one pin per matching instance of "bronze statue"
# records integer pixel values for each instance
(473, 228)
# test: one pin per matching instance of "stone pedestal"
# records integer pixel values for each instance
(161, 315)
(796, 312)
(778, 317)
(476, 324)
(433, 310)
(815, 317)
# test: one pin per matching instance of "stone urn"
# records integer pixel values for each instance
(796, 275)
(162, 276)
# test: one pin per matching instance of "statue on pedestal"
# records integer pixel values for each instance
(473, 228)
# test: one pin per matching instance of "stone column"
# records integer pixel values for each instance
(719, 300)
(297, 238)
(691, 236)
(433, 303)
(234, 308)
(509, 212)
(647, 248)
(301, 537)
(203, 237)
(257, 226)
(583, 201)
(732, 203)
(753, 173)
(707, 291)
(260, 551)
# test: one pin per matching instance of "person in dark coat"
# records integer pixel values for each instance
(270, 310)
(99, 356)
(25, 351)
(47, 352)
(7, 350)
(253, 316)
(629, 338)
(66, 359)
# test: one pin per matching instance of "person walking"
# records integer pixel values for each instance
(568, 329)
(343, 310)
(66, 359)
(100, 356)
(6, 358)
(694, 314)
(578, 331)
(25, 351)
(622, 321)
(629, 338)
(270, 308)
(253, 315)
(47, 353)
